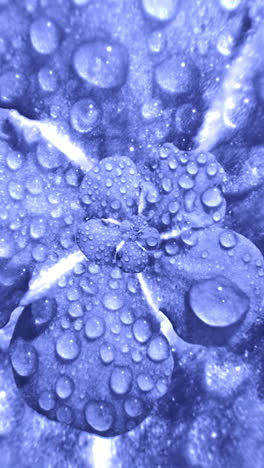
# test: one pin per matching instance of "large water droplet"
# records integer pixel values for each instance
(44, 36)
(212, 198)
(64, 387)
(120, 380)
(133, 407)
(218, 302)
(94, 328)
(142, 330)
(24, 358)
(113, 301)
(145, 382)
(158, 349)
(99, 415)
(67, 347)
(228, 239)
(46, 401)
(107, 353)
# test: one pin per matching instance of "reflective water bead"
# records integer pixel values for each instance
(16, 190)
(145, 382)
(7, 246)
(64, 387)
(46, 401)
(113, 301)
(14, 160)
(133, 407)
(48, 80)
(107, 353)
(142, 330)
(64, 415)
(102, 64)
(230, 5)
(156, 42)
(127, 316)
(24, 359)
(44, 36)
(75, 310)
(34, 185)
(121, 379)
(99, 415)
(228, 239)
(212, 197)
(218, 302)
(85, 115)
(185, 182)
(164, 10)
(39, 252)
(37, 228)
(94, 328)
(67, 347)
(158, 349)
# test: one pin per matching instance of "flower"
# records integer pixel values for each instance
(91, 351)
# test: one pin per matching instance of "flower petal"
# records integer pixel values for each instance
(100, 362)
(183, 189)
(111, 189)
(215, 289)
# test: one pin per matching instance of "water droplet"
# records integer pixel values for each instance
(94, 328)
(212, 198)
(6, 245)
(102, 64)
(113, 301)
(145, 382)
(37, 228)
(107, 353)
(44, 36)
(158, 349)
(64, 415)
(185, 182)
(230, 5)
(85, 115)
(75, 310)
(16, 190)
(46, 401)
(142, 330)
(164, 10)
(48, 80)
(64, 387)
(24, 358)
(99, 415)
(67, 347)
(218, 302)
(133, 407)
(14, 160)
(120, 381)
(228, 239)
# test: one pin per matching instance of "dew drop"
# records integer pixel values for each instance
(46, 401)
(158, 349)
(94, 328)
(218, 302)
(133, 407)
(107, 353)
(142, 330)
(120, 381)
(113, 301)
(67, 347)
(228, 239)
(64, 387)
(145, 382)
(24, 359)
(99, 415)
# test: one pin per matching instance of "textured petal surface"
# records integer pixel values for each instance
(93, 357)
(215, 290)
